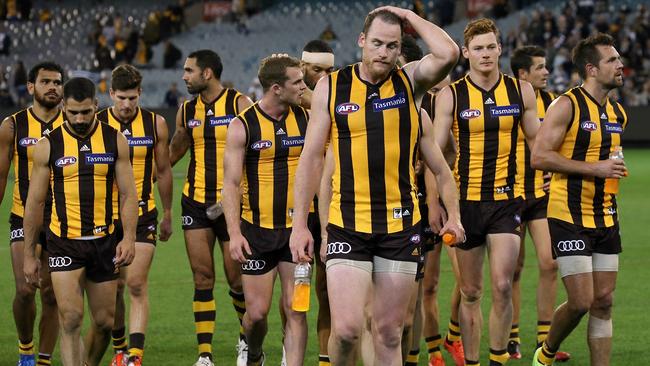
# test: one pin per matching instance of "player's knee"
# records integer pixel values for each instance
(25, 293)
(103, 321)
(70, 320)
(203, 277)
(346, 336)
(548, 268)
(121, 282)
(502, 289)
(47, 296)
(137, 287)
(430, 290)
(389, 335)
(257, 314)
(471, 295)
(603, 304)
(580, 306)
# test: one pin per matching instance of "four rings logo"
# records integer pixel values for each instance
(58, 262)
(17, 234)
(253, 265)
(338, 248)
(570, 245)
(187, 220)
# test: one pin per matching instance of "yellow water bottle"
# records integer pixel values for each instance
(301, 286)
(611, 184)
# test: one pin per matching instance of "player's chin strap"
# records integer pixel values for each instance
(323, 58)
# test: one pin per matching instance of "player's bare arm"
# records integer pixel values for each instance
(546, 154)
(444, 118)
(529, 119)
(243, 102)
(433, 67)
(324, 199)
(434, 160)
(164, 177)
(181, 139)
(309, 171)
(6, 152)
(125, 250)
(35, 207)
(233, 170)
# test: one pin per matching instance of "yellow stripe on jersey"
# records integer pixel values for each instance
(375, 134)
(28, 129)
(207, 125)
(530, 182)
(83, 180)
(593, 132)
(273, 148)
(140, 133)
(485, 129)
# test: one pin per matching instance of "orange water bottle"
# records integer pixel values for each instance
(611, 184)
(301, 286)
(448, 238)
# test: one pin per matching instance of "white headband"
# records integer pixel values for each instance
(323, 58)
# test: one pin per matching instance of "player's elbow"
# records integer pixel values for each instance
(539, 160)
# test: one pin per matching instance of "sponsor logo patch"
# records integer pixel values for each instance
(613, 128)
(589, 126)
(103, 158)
(220, 120)
(140, 141)
(505, 110)
(261, 145)
(293, 141)
(470, 113)
(193, 123)
(27, 141)
(571, 245)
(347, 108)
(396, 101)
(338, 248)
(65, 161)
(60, 262)
(253, 265)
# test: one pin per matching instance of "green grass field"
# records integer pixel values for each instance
(171, 339)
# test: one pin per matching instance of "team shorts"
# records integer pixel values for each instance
(95, 255)
(269, 246)
(146, 230)
(403, 246)
(568, 239)
(534, 209)
(194, 217)
(493, 217)
(17, 233)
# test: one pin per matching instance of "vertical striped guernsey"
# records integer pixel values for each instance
(530, 182)
(28, 129)
(593, 132)
(207, 125)
(83, 181)
(375, 134)
(140, 132)
(485, 128)
(273, 148)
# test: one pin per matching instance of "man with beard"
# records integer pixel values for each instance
(147, 134)
(18, 136)
(86, 163)
(317, 61)
(371, 111)
(201, 126)
(581, 129)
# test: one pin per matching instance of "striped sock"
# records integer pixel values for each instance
(26, 348)
(472, 363)
(547, 355)
(453, 334)
(514, 334)
(498, 357)
(119, 340)
(542, 331)
(205, 313)
(323, 360)
(412, 358)
(136, 342)
(433, 345)
(44, 359)
(239, 303)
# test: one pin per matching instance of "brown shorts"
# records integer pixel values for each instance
(194, 217)
(493, 217)
(568, 239)
(17, 232)
(95, 255)
(534, 209)
(403, 246)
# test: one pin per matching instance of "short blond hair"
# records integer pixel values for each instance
(478, 27)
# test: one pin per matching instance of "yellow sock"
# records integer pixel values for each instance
(26, 348)
(204, 308)
(542, 331)
(498, 357)
(514, 333)
(453, 334)
(323, 360)
(412, 358)
(547, 355)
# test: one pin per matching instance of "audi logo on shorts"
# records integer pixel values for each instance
(338, 248)
(187, 220)
(253, 265)
(570, 245)
(17, 234)
(59, 262)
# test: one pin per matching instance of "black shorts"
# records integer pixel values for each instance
(534, 209)
(494, 217)
(95, 255)
(194, 217)
(403, 246)
(568, 239)
(17, 233)
(146, 230)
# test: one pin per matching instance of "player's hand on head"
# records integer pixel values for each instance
(400, 12)
(165, 228)
(239, 248)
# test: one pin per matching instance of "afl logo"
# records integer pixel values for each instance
(470, 113)
(589, 126)
(193, 123)
(261, 145)
(347, 108)
(65, 161)
(27, 141)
